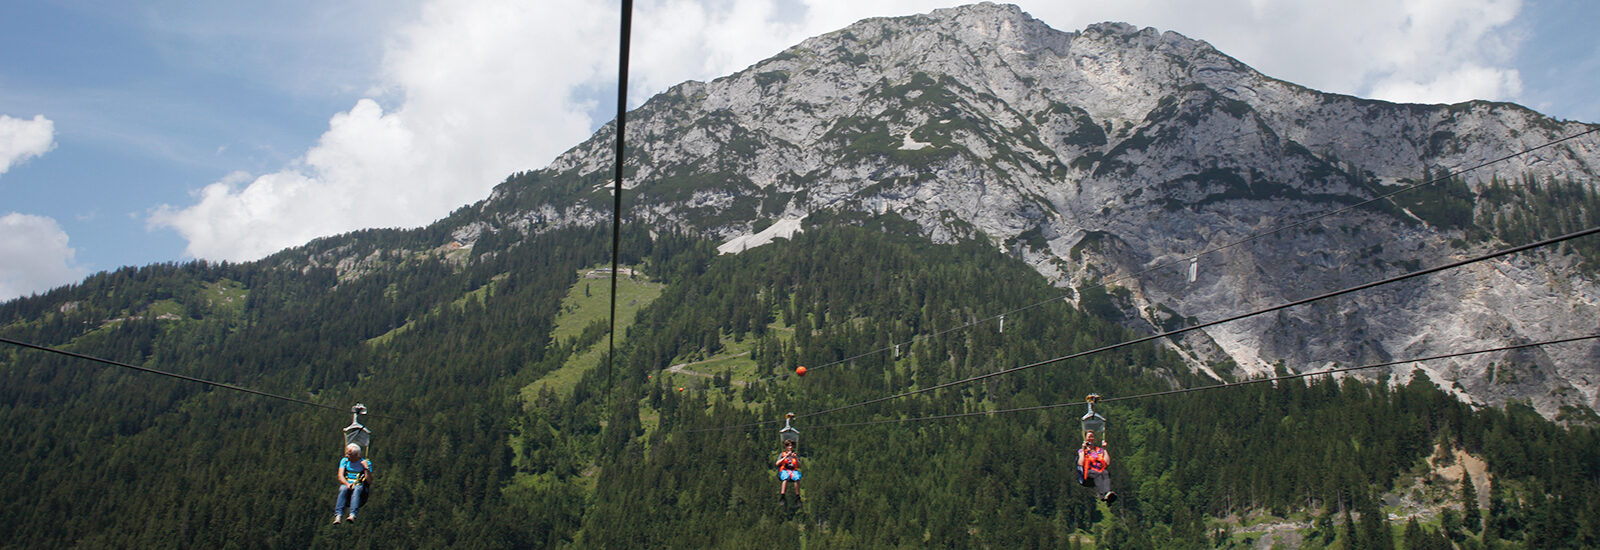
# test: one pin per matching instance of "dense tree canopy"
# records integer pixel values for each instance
(440, 344)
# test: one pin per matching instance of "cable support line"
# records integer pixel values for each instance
(1357, 288)
(176, 375)
(1204, 388)
(222, 385)
(616, 193)
(1247, 239)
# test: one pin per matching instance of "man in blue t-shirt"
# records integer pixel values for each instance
(354, 473)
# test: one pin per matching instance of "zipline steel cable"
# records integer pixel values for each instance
(1357, 288)
(1224, 385)
(1247, 239)
(616, 193)
(222, 385)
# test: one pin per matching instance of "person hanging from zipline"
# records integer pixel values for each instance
(788, 470)
(1093, 462)
(354, 474)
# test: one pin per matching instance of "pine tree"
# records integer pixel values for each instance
(1347, 533)
(1469, 504)
(1413, 537)
(1450, 523)
(1374, 530)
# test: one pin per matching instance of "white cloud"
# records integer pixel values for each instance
(22, 139)
(1465, 83)
(1435, 51)
(678, 40)
(34, 256)
(488, 88)
(481, 89)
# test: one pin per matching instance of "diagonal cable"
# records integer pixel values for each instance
(1224, 385)
(1357, 288)
(222, 385)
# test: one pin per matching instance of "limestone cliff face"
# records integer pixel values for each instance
(1095, 155)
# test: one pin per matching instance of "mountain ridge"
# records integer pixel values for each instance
(980, 122)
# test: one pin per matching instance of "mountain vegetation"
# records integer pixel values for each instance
(441, 350)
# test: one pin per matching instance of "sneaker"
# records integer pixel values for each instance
(1110, 498)
(351, 519)
(336, 519)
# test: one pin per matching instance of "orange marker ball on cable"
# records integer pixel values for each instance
(801, 371)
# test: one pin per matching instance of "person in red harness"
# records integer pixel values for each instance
(1093, 461)
(789, 470)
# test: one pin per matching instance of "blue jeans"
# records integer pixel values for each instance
(347, 497)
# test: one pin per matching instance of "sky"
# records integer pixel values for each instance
(169, 130)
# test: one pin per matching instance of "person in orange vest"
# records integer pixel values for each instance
(789, 470)
(1093, 462)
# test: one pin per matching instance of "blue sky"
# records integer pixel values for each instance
(166, 130)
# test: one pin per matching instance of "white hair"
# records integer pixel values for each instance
(353, 448)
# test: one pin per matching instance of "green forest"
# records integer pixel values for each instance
(498, 422)
(1517, 212)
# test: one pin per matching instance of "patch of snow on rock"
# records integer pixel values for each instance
(783, 229)
(910, 144)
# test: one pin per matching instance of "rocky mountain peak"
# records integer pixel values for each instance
(1094, 155)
